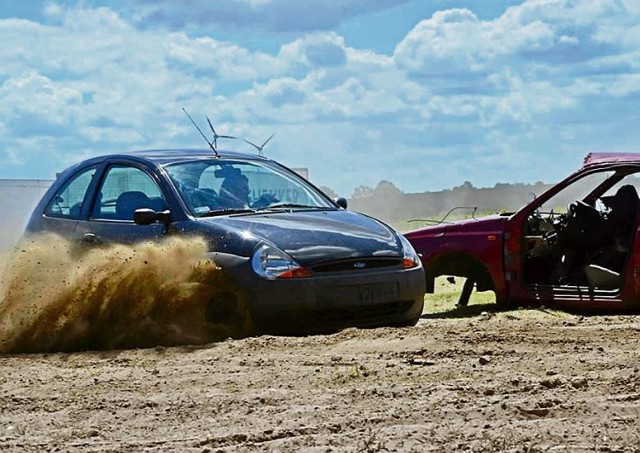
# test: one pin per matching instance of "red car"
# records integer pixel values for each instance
(573, 247)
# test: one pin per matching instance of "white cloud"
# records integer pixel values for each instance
(457, 88)
(316, 50)
(219, 60)
(446, 43)
(554, 41)
(625, 85)
(272, 15)
(32, 101)
(279, 92)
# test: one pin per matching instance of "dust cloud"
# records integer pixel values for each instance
(56, 296)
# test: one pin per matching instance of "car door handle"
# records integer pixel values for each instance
(90, 239)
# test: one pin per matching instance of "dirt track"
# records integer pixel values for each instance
(526, 380)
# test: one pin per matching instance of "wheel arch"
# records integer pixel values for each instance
(459, 264)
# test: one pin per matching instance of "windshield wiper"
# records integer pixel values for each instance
(286, 205)
(275, 206)
(225, 211)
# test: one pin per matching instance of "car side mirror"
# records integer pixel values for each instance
(146, 216)
(342, 202)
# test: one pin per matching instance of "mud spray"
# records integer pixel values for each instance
(57, 297)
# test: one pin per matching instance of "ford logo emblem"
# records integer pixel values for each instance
(359, 265)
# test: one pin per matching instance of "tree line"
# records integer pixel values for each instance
(390, 204)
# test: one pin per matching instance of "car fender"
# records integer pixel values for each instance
(471, 248)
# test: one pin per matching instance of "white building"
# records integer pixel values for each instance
(18, 197)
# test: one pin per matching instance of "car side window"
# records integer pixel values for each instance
(67, 202)
(124, 190)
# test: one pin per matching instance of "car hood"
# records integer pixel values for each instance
(308, 236)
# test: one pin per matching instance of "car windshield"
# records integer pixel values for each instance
(221, 186)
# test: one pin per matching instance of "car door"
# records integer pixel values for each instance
(123, 189)
(535, 263)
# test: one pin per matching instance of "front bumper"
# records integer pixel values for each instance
(329, 302)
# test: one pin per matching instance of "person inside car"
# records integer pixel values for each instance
(198, 199)
(234, 191)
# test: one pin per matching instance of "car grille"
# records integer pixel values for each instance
(357, 264)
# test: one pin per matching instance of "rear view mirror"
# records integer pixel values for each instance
(342, 202)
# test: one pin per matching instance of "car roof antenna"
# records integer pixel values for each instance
(215, 134)
(211, 145)
(259, 148)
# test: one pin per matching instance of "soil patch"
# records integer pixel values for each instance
(471, 379)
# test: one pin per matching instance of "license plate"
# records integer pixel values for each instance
(361, 294)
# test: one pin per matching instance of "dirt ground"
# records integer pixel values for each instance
(463, 379)
(472, 379)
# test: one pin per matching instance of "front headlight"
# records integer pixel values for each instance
(272, 263)
(410, 258)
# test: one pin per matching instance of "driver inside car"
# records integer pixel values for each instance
(234, 191)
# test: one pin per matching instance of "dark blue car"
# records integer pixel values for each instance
(303, 262)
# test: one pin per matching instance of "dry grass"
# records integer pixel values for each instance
(443, 303)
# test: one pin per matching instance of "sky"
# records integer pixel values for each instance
(426, 94)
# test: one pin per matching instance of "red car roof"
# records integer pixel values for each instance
(594, 158)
